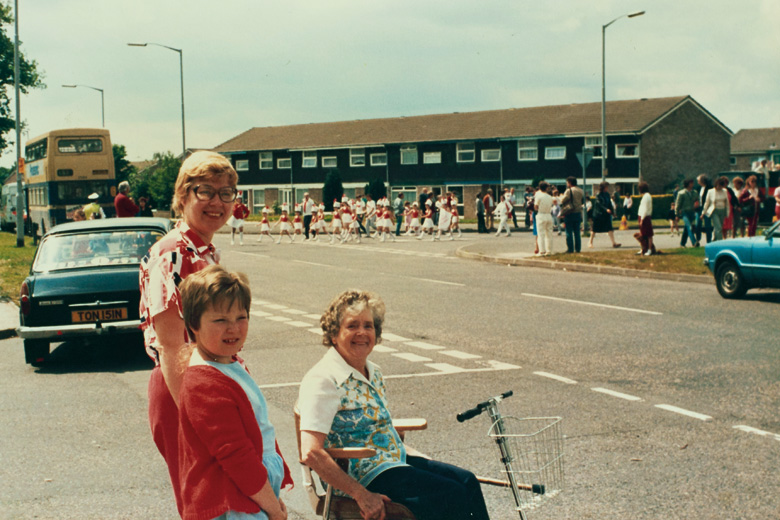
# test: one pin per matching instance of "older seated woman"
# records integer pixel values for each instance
(342, 403)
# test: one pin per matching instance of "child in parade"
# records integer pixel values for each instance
(230, 463)
(445, 221)
(335, 223)
(407, 218)
(346, 222)
(387, 222)
(236, 221)
(297, 222)
(284, 225)
(265, 226)
(455, 219)
(673, 221)
(414, 224)
(427, 227)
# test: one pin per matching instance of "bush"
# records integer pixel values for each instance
(332, 189)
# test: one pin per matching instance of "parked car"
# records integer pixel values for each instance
(744, 263)
(83, 282)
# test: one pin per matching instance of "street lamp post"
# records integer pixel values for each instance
(102, 102)
(181, 78)
(604, 89)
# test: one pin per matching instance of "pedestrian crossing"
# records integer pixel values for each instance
(438, 359)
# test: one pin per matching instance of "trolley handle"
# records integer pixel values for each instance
(481, 407)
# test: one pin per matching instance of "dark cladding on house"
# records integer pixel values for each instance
(659, 140)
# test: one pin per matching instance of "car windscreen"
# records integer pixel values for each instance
(90, 249)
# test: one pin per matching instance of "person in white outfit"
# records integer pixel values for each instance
(445, 221)
(543, 204)
(504, 211)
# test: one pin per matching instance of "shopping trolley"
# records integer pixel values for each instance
(531, 451)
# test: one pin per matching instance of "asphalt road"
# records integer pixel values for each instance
(669, 394)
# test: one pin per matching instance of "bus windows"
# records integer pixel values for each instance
(80, 145)
(35, 151)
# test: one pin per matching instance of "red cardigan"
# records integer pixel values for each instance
(220, 446)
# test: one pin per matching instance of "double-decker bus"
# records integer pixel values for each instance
(64, 167)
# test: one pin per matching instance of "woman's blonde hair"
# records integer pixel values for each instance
(213, 287)
(355, 301)
(201, 166)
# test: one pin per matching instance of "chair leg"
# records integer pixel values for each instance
(326, 506)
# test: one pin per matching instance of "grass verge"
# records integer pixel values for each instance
(14, 264)
(678, 261)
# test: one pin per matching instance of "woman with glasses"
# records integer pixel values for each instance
(204, 193)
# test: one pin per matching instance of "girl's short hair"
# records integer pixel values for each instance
(198, 167)
(722, 181)
(737, 181)
(355, 301)
(643, 187)
(212, 288)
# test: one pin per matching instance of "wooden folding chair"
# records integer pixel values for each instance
(334, 507)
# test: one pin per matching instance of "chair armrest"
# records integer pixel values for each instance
(409, 425)
(351, 453)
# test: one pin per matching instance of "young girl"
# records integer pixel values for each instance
(645, 215)
(414, 224)
(455, 220)
(335, 223)
(672, 218)
(297, 222)
(265, 226)
(230, 463)
(319, 224)
(284, 225)
(348, 230)
(427, 227)
(407, 218)
(445, 222)
(387, 222)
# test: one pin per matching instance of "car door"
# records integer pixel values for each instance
(766, 259)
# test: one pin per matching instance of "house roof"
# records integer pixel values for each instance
(633, 116)
(755, 140)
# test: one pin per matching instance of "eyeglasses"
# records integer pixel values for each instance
(206, 192)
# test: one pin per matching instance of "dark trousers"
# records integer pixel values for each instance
(399, 219)
(689, 220)
(703, 224)
(306, 224)
(361, 227)
(433, 490)
(573, 237)
(481, 223)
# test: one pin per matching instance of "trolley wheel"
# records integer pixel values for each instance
(730, 280)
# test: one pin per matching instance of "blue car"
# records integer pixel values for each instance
(745, 263)
(83, 283)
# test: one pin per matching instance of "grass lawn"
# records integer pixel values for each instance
(14, 264)
(681, 260)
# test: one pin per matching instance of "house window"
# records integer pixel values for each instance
(409, 154)
(466, 153)
(242, 165)
(527, 150)
(357, 157)
(258, 201)
(733, 160)
(595, 144)
(378, 159)
(554, 153)
(493, 155)
(626, 151)
(432, 158)
(266, 160)
(329, 162)
(309, 159)
(284, 163)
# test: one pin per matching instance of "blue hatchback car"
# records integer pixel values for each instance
(745, 263)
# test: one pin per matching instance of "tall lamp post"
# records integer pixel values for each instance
(102, 103)
(181, 77)
(604, 89)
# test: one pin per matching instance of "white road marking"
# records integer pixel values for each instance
(459, 355)
(500, 365)
(252, 254)
(627, 397)
(411, 357)
(260, 314)
(259, 302)
(383, 349)
(313, 316)
(438, 281)
(682, 411)
(592, 304)
(295, 311)
(750, 429)
(300, 324)
(557, 378)
(393, 337)
(275, 306)
(445, 367)
(278, 318)
(424, 346)
(312, 263)
(315, 330)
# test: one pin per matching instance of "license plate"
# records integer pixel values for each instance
(99, 315)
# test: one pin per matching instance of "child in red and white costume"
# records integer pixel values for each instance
(236, 221)
(318, 223)
(387, 222)
(456, 218)
(297, 222)
(336, 226)
(445, 221)
(427, 227)
(284, 225)
(265, 226)
(414, 215)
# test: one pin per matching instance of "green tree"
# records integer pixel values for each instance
(29, 76)
(156, 183)
(332, 189)
(122, 166)
(376, 188)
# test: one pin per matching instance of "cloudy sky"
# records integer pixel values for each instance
(254, 63)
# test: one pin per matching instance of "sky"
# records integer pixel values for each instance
(255, 63)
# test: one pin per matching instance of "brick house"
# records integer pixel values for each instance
(659, 140)
(755, 144)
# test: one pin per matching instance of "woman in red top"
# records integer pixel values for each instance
(750, 200)
(236, 221)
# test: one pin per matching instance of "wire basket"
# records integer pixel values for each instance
(532, 453)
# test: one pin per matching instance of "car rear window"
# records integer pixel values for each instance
(102, 248)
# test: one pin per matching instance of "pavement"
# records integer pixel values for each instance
(517, 250)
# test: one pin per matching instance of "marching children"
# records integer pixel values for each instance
(387, 222)
(335, 223)
(427, 226)
(456, 218)
(284, 225)
(297, 222)
(236, 221)
(414, 214)
(346, 222)
(445, 221)
(320, 226)
(265, 226)
(230, 464)
(407, 218)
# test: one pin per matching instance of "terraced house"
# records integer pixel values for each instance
(661, 140)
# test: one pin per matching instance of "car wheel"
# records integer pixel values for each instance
(36, 351)
(730, 281)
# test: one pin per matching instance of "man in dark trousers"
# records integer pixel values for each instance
(398, 209)
(307, 206)
(480, 214)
